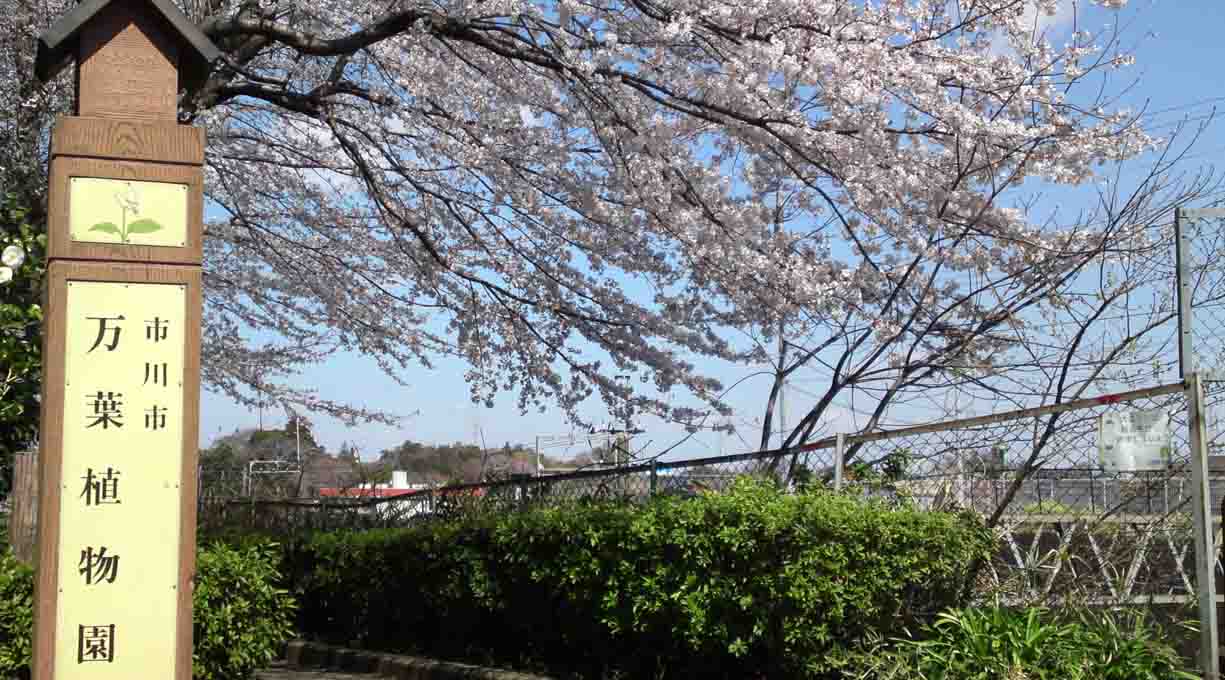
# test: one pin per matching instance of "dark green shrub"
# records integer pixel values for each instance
(241, 617)
(723, 585)
(993, 643)
(16, 616)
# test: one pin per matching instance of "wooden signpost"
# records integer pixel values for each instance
(120, 400)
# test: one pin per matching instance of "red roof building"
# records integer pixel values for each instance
(333, 492)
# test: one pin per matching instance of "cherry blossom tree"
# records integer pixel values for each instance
(1105, 319)
(559, 192)
(1108, 323)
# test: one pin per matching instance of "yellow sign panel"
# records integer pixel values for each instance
(121, 469)
(127, 211)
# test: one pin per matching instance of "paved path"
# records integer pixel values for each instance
(314, 655)
(280, 672)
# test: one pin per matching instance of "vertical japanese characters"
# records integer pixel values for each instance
(121, 471)
(107, 409)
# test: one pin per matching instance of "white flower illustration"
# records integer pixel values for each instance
(6, 274)
(13, 256)
(127, 199)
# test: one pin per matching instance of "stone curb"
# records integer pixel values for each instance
(300, 654)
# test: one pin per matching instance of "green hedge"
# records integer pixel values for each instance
(16, 616)
(241, 616)
(724, 585)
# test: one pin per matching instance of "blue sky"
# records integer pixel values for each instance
(1179, 58)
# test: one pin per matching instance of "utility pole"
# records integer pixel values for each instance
(625, 433)
(782, 388)
(621, 452)
(779, 209)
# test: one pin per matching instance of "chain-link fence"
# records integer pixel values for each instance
(226, 500)
(1201, 242)
(1069, 528)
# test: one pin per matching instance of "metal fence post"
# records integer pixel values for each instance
(839, 460)
(1093, 493)
(1201, 493)
(1201, 515)
(654, 476)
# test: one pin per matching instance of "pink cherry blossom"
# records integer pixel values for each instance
(557, 192)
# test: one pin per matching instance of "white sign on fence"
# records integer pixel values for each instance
(1134, 441)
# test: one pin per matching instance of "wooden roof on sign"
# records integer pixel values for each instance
(56, 46)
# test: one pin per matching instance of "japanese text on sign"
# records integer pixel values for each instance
(121, 466)
(1134, 441)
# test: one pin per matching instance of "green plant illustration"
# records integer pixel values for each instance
(128, 201)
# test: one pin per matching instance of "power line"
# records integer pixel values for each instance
(1190, 105)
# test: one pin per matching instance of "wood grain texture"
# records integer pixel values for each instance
(131, 140)
(51, 446)
(188, 485)
(59, 273)
(59, 242)
(127, 64)
(127, 82)
(23, 506)
(57, 44)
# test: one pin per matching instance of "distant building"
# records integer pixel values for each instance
(398, 486)
(410, 500)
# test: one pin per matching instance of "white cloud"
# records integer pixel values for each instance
(1040, 23)
(1050, 23)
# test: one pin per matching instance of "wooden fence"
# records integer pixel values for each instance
(23, 507)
